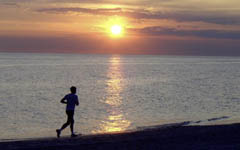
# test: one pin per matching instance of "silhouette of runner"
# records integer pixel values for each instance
(71, 100)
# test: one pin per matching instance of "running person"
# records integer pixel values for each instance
(71, 100)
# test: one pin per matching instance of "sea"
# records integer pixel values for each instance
(117, 93)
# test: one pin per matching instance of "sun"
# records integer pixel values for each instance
(116, 29)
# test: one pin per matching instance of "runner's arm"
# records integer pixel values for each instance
(77, 102)
(63, 100)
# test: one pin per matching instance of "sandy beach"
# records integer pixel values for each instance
(215, 137)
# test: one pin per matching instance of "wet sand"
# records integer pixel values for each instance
(217, 137)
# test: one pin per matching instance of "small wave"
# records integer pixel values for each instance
(171, 125)
(219, 118)
(210, 120)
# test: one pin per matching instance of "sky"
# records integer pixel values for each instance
(169, 27)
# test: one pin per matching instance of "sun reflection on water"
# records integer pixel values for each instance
(115, 121)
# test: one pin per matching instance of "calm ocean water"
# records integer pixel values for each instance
(116, 92)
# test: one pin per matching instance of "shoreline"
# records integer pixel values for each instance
(217, 137)
(224, 120)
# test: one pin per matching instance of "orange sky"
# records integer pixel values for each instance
(188, 27)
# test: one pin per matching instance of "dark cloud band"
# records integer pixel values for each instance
(217, 34)
(182, 16)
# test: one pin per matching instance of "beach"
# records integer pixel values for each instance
(214, 137)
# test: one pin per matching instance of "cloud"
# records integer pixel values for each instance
(48, 43)
(56, 2)
(9, 4)
(94, 2)
(180, 16)
(100, 11)
(184, 11)
(217, 34)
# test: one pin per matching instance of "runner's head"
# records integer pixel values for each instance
(73, 89)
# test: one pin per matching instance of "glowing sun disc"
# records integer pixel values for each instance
(116, 29)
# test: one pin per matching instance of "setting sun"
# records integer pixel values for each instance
(115, 26)
(116, 29)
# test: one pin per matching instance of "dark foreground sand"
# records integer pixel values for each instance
(219, 137)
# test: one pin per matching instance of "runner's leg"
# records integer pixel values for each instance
(68, 121)
(72, 123)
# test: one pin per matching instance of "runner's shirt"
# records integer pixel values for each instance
(72, 100)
